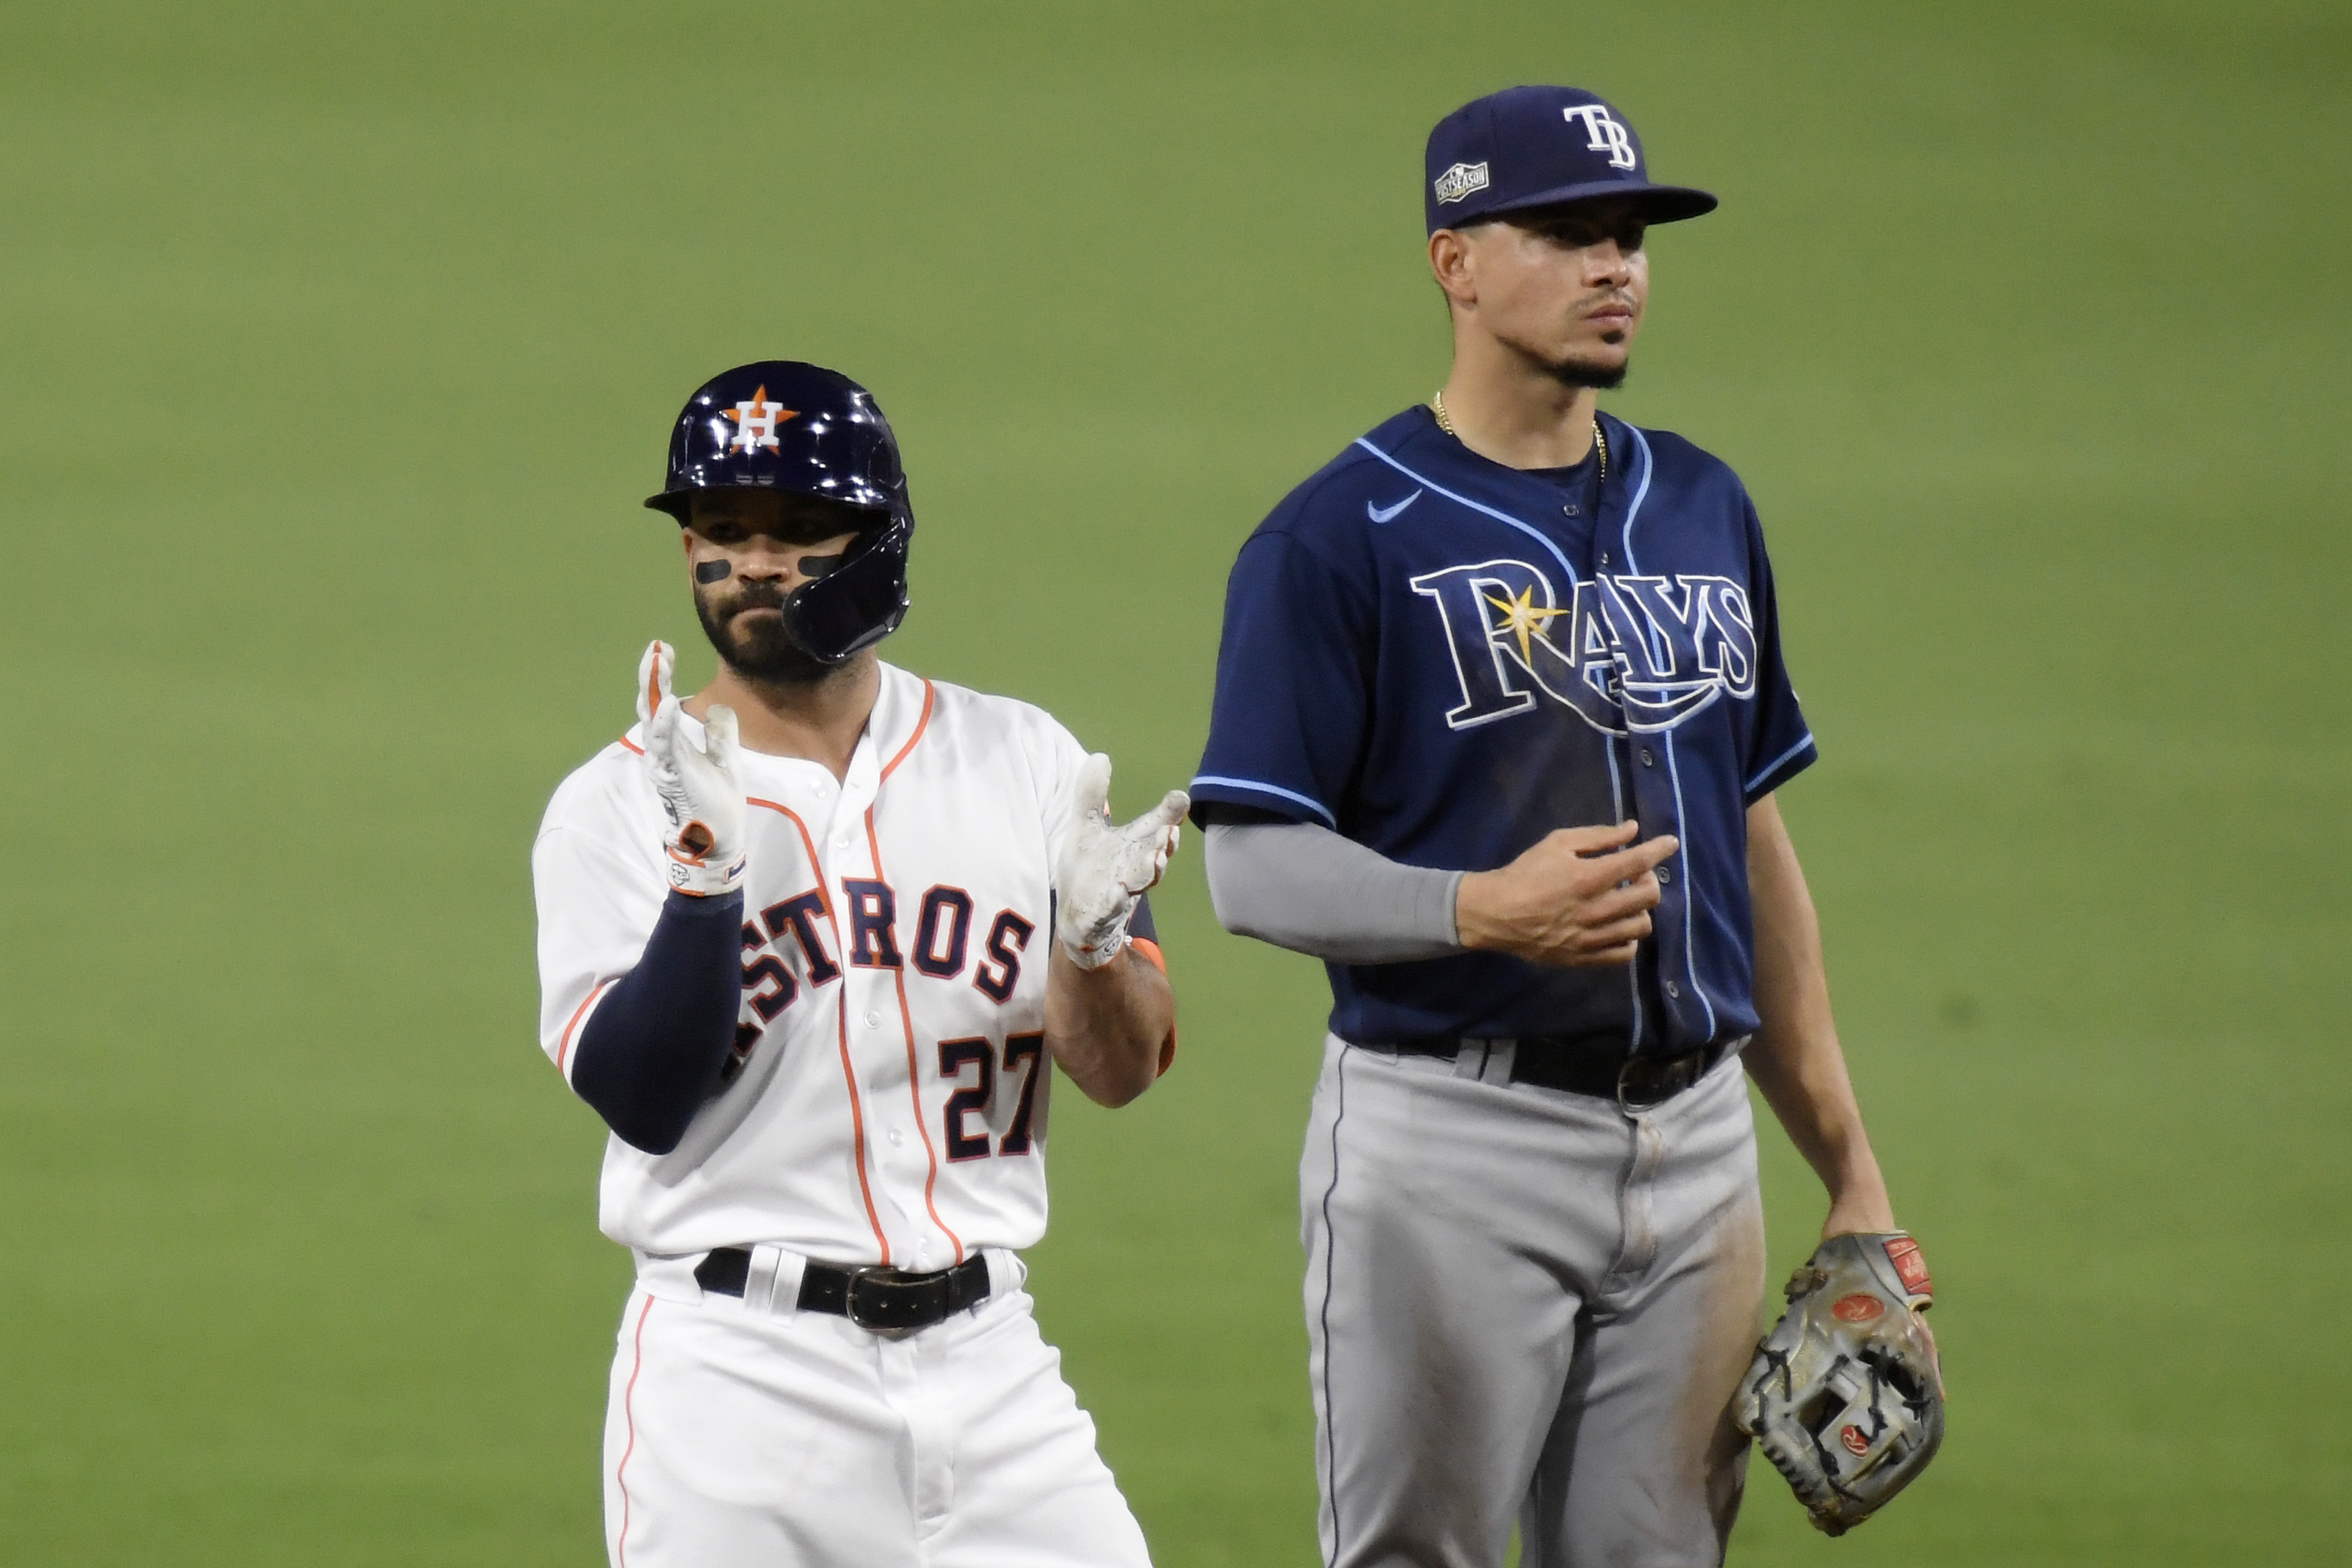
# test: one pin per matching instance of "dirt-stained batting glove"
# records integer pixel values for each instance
(1104, 870)
(700, 791)
(1845, 1395)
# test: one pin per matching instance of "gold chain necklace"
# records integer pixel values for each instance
(1445, 424)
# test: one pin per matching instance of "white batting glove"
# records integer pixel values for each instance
(701, 793)
(1104, 870)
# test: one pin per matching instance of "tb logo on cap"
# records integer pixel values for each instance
(1606, 134)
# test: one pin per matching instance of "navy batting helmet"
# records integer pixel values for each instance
(781, 425)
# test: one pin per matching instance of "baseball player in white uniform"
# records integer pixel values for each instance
(810, 941)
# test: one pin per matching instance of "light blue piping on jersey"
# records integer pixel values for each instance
(1500, 517)
(1313, 806)
(1617, 805)
(1673, 773)
(1767, 770)
(1640, 493)
(1690, 965)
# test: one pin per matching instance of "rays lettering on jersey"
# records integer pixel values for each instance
(1627, 652)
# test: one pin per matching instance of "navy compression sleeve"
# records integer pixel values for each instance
(655, 1045)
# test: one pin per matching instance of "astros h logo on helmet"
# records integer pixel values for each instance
(755, 422)
(1627, 652)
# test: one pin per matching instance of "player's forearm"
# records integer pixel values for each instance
(1304, 887)
(652, 1051)
(1104, 1027)
(1804, 1080)
(1795, 1058)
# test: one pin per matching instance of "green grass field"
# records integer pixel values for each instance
(338, 345)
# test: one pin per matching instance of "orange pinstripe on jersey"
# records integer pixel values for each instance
(921, 723)
(907, 1016)
(564, 1050)
(848, 1074)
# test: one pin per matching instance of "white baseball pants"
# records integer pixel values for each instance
(737, 1436)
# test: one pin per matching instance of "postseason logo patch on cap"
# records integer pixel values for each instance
(1460, 181)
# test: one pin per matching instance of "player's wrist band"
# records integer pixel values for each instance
(1098, 956)
(880, 1301)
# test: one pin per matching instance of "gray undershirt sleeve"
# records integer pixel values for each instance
(1305, 888)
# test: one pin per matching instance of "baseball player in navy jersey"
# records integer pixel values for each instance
(812, 942)
(1500, 716)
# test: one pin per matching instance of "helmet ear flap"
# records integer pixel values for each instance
(857, 603)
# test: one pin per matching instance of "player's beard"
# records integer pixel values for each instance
(1571, 372)
(759, 651)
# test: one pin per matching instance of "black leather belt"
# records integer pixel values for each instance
(887, 1301)
(1584, 1065)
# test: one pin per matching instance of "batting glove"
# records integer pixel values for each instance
(701, 793)
(1104, 870)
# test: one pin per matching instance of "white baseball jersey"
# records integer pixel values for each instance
(897, 926)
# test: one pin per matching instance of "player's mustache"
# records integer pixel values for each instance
(755, 596)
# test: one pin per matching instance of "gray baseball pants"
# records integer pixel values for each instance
(1524, 1301)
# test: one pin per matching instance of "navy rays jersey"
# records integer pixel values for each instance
(1445, 659)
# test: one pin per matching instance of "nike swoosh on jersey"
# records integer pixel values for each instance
(1379, 516)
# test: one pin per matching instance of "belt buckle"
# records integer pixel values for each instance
(858, 1276)
(1665, 1085)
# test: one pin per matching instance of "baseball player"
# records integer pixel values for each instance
(812, 942)
(1500, 714)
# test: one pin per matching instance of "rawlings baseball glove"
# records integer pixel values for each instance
(1845, 1396)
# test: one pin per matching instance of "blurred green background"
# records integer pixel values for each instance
(338, 344)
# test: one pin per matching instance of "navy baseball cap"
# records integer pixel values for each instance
(1536, 147)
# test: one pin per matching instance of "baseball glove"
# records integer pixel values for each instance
(1845, 1395)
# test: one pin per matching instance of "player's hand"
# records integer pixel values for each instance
(700, 791)
(1581, 896)
(1104, 870)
